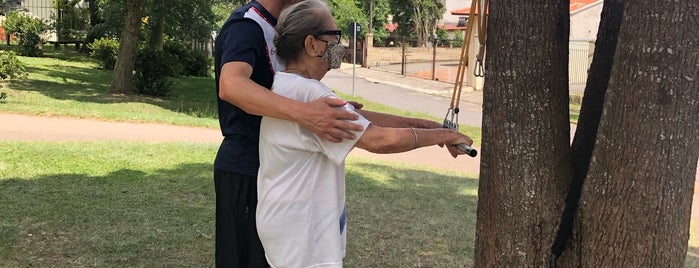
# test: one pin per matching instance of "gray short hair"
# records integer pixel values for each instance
(295, 23)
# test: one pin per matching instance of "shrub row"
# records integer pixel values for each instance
(154, 67)
(10, 68)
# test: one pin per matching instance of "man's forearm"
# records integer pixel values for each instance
(256, 99)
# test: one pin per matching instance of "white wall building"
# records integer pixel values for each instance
(584, 20)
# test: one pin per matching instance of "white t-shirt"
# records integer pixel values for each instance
(301, 185)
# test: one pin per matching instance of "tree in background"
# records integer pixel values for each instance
(159, 11)
(123, 70)
(222, 9)
(381, 10)
(426, 13)
(8, 5)
(110, 22)
(71, 21)
(417, 18)
(94, 19)
(173, 30)
(346, 12)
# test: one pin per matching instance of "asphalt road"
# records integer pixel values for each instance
(394, 90)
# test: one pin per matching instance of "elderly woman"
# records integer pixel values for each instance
(301, 208)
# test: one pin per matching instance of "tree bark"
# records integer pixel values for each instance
(525, 164)
(588, 122)
(157, 35)
(93, 8)
(122, 79)
(636, 202)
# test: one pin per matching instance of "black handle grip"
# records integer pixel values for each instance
(467, 149)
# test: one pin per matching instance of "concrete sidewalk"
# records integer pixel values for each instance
(425, 86)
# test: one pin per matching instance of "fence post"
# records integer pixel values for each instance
(434, 55)
(402, 58)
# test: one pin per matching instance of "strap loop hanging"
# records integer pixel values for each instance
(479, 7)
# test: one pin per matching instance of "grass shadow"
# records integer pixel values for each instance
(124, 218)
(76, 83)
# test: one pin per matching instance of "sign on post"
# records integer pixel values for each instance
(354, 30)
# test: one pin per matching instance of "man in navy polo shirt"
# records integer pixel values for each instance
(245, 64)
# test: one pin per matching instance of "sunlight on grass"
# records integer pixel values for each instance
(409, 216)
(469, 191)
(71, 84)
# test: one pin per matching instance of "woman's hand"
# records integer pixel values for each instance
(456, 139)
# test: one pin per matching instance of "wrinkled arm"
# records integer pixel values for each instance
(386, 140)
(317, 116)
(389, 120)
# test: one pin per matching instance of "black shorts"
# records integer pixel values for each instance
(237, 242)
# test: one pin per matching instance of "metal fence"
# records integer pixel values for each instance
(580, 57)
(438, 63)
(42, 9)
(441, 63)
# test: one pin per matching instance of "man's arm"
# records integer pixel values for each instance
(317, 116)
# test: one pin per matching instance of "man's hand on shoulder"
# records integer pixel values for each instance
(331, 124)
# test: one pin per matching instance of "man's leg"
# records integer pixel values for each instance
(237, 242)
(254, 252)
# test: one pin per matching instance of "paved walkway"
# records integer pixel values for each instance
(36, 128)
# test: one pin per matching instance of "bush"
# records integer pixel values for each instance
(186, 61)
(458, 40)
(30, 45)
(10, 66)
(105, 50)
(29, 29)
(3, 97)
(152, 72)
(199, 65)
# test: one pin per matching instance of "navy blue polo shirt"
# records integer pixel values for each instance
(241, 39)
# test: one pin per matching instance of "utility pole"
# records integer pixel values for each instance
(371, 16)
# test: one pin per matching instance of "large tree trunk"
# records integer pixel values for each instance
(525, 165)
(636, 201)
(122, 79)
(157, 35)
(93, 8)
(588, 123)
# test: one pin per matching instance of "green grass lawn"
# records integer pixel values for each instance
(119, 204)
(66, 83)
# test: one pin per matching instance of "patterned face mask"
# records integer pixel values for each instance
(333, 55)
